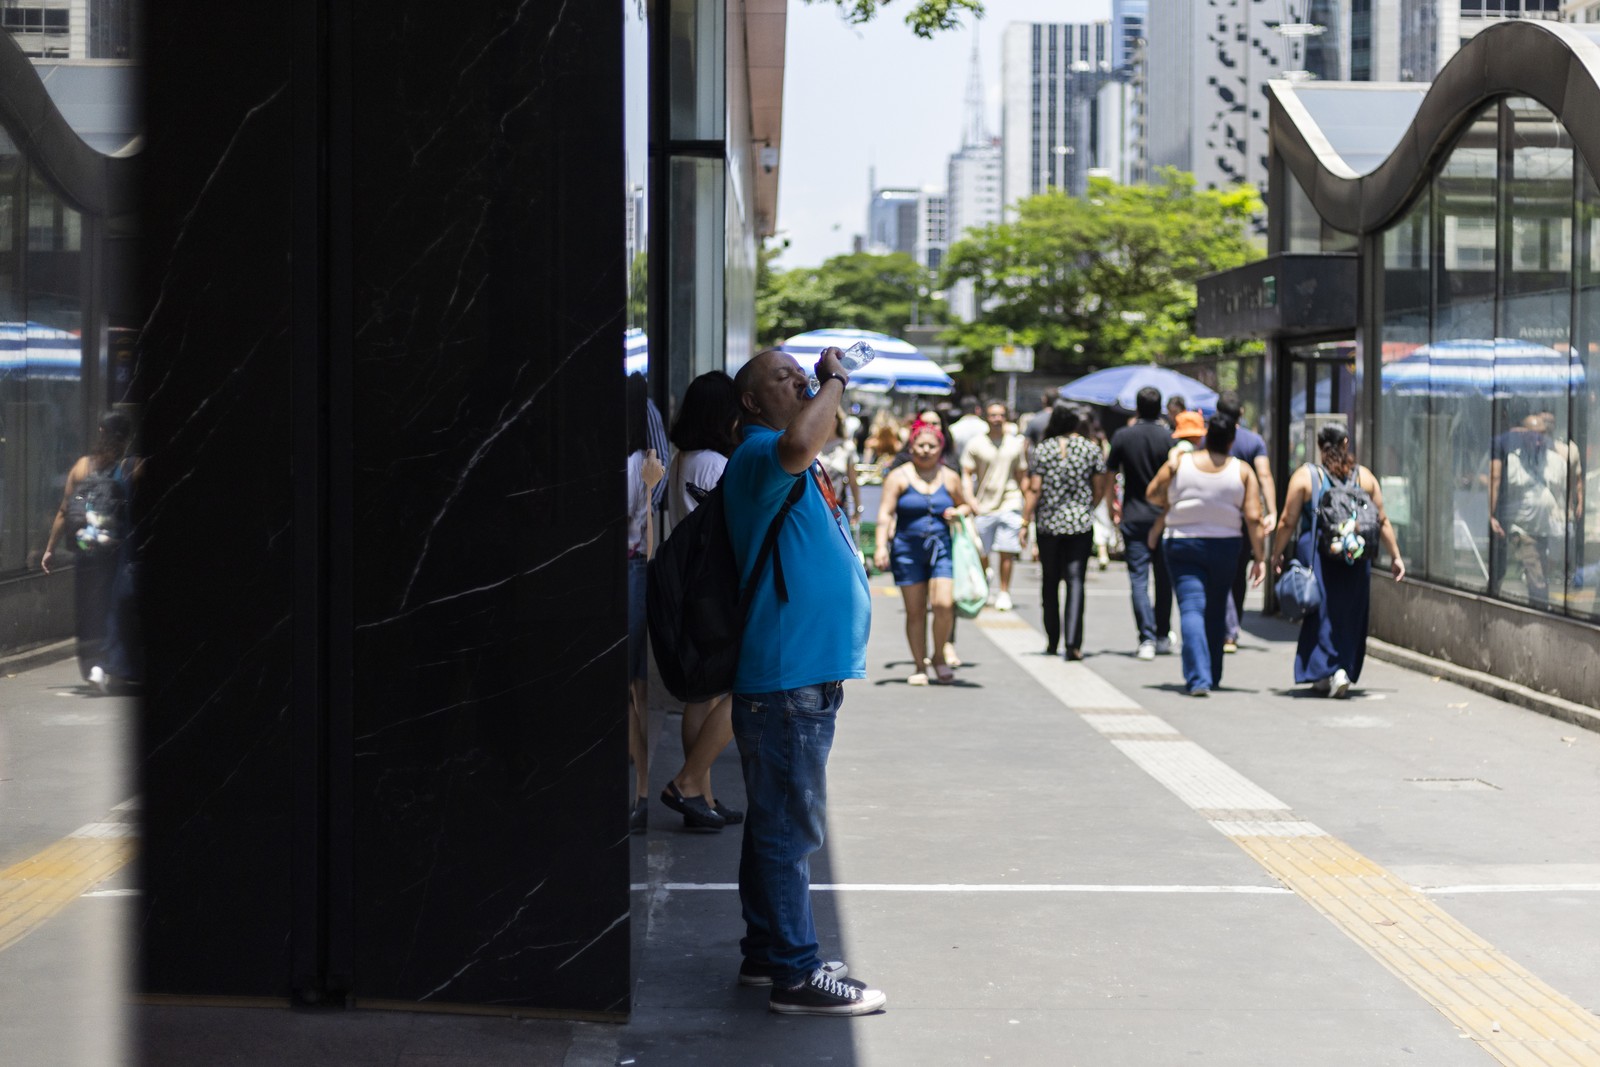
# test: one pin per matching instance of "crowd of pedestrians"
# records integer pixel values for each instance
(1189, 500)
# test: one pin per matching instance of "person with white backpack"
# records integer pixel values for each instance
(1334, 512)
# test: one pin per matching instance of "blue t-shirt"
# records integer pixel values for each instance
(820, 633)
(1248, 445)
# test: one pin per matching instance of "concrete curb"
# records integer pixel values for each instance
(1499, 688)
(42, 656)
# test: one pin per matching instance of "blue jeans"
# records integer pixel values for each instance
(1202, 580)
(1154, 622)
(783, 739)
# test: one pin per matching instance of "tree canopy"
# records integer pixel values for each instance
(861, 291)
(1102, 279)
(925, 17)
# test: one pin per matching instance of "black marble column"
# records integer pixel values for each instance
(385, 752)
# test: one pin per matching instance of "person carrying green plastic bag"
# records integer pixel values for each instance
(971, 584)
(921, 500)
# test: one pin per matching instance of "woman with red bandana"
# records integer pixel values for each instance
(920, 499)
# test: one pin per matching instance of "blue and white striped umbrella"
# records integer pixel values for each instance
(899, 366)
(1482, 368)
(35, 351)
(636, 352)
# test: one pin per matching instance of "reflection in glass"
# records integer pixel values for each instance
(698, 69)
(15, 514)
(1461, 414)
(696, 262)
(1404, 419)
(636, 137)
(1533, 458)
(50, 339)
(1585, 542)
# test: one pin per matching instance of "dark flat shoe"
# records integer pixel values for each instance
(731, 816)
(697, 814)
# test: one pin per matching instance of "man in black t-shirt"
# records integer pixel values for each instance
(1137, 453)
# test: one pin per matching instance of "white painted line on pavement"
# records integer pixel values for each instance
(1197, 777)
(1153, 725)
(111, 893)
(1452, 889)
(105, 829)
(995, 887)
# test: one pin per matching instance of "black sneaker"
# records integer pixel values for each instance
(822, 995)
(752, 973)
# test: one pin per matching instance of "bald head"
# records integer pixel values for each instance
(771, 389)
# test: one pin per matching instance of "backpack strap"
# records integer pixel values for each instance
(769, 547)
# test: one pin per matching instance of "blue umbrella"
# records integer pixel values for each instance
(899, 365)
(636, 352)
(1119, 386)
(1481, 368)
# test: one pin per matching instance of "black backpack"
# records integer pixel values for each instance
(97, 513)
(1347, 519)
(694, 604)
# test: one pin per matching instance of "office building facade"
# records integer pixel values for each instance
(1052, 74)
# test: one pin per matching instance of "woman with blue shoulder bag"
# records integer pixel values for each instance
(1333, 635)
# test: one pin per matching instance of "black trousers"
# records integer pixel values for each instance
(1064, 558)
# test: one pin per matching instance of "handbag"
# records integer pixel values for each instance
(1298, 593)
(971, 584)
(1296, 588)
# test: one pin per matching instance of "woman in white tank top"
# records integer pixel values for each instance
(1212, 502)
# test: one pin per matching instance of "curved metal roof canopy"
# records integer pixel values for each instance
(1554, 63)
(91, 181)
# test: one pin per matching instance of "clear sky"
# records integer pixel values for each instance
(877, 96)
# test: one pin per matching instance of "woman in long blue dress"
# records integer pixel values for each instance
(1333, 639)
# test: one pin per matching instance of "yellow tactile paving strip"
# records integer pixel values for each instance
(44, 883)
(1514, 1016)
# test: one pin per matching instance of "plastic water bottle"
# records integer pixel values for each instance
(855, 357)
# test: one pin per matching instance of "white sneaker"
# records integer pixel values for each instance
(1165, 645)
(1003, 601)
(100, 680)
(1147, 650)
(1339, 685)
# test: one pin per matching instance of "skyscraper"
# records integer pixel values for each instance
(1052, 74)
(1127, 29)
(892, 220)
(973, 183)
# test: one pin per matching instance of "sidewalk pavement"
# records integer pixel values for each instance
(1055, 863)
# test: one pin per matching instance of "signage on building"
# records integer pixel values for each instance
(1013, 359)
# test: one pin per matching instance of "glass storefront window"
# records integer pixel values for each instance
(699, 111)
(695, 265)
(1532, 458)
(51, 334)
(1461, 412)
(1405, 426)
(15, 515)
(1585, 406)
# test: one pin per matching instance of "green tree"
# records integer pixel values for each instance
(1102, 279)
(639, 290)
(861, 291)
(925, 17)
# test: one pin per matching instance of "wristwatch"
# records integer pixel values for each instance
(831, 376)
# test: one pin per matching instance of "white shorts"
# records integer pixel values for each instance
(1001, 532)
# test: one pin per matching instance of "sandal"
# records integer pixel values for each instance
(697, 814)
(917, 679)
(945, 676)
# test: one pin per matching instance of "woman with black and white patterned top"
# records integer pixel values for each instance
(1067, 479)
